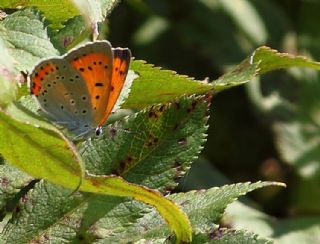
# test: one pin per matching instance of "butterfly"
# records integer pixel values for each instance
(79, 89)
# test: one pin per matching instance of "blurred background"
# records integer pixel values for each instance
(266, 130)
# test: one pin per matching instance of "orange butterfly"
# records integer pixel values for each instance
(80, 89)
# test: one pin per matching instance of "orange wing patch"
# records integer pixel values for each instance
(39, 76)
(96, 70)
(121, 61)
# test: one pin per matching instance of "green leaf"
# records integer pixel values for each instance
(263, 60)
(57, 12)
(104, 185)
(204, 208)
(12, 181)
(41, 152)
(270, 59)
(25, 38)
(155, 86)
(73, 33)
(224, 235)
(153, 147)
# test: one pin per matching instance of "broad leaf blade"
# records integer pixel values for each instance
(153, 147)
(223, 235)
(116, 186)
(41, 152)
(204, 208)
(263, 60)
(25, 37)
(57, 12)
(12, 181)
(155, 86)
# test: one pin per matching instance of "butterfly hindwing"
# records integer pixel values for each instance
(56, 86)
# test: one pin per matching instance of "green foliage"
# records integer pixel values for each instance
(152, 148)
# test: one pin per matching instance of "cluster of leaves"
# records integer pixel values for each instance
(273, 134)
(151, 148)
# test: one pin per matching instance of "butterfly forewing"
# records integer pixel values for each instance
(121, 62)
(94, 63)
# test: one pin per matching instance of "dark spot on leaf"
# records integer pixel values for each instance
(152, 115)
(75, 59)
(161, 109)
(112, 88)
(62, 107)
(81, 69)
(36, 74)
(176, 105)
(81, 237)
(89, 68)
(100, 62)
(84, 111)
(129, 159)
(122, 166)
(4, 181)
(112, 131)
(216, 234)
(97, 97)
(17, 209)
(95, 63)
(194, 104)
(71, 79)
(84, 98)
(106, 66)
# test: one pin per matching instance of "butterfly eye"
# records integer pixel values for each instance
(98, 131)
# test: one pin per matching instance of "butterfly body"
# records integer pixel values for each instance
(79, 89)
